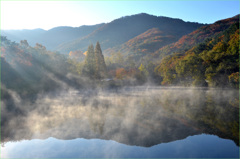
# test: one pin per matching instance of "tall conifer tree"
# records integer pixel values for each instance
(89, 64)
(101, 69)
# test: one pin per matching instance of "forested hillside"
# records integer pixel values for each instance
(214, 62)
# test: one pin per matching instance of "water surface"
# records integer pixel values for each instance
(152, 122)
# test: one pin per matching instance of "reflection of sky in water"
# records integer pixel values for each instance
(161, 123)
(193, 146)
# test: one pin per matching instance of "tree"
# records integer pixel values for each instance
(143, 70)
(94, 65)
(100, 67)
(77, 55)
(40, 46)
(234, 79)
(117, 58)
(24, 43)
(166, 69)
(89, 64)
(75, 66)
(120, 73)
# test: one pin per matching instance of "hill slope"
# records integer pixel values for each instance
(188, 41)
(145, 43)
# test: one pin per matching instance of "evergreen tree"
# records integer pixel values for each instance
(89, 64)
(100, 67)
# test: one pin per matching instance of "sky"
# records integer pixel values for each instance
(49, 14)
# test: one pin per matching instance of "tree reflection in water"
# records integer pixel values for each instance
(133, 116)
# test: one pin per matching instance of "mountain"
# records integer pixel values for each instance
(50, 38)
(188, 41)
(126, 28)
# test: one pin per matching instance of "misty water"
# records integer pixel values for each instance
(124, 123)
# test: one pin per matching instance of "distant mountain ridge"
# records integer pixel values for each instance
(50, 38)
(138, 34)
(123, 29)
(25, 34)
(113, 34)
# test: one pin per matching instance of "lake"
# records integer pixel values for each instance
(133, 122)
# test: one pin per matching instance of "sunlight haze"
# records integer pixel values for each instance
(49, 14)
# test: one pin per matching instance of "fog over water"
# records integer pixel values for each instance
(141, 116)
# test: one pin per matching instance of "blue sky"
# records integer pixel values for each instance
(49, 14)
